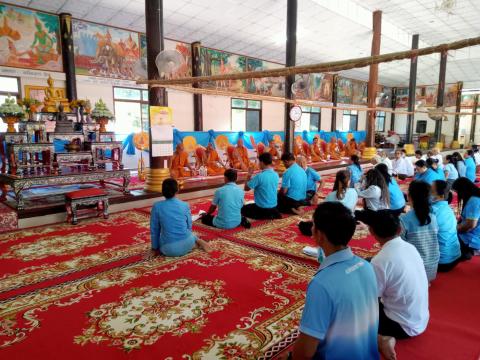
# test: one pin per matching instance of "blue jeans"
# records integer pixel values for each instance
(179, 248)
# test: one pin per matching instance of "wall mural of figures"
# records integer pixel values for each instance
(451, 91)
(351, 91)
(29, 39)
(468, 100)
(216, 62)
(402, 98)
(384, 95)
(105, 51)
(271, 86)
(318, 87)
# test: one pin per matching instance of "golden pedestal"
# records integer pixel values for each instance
(155, 178)
(369, 153)
(10, 121)
(455, 145)
(410, 149)
(439, 146)
(51, 106)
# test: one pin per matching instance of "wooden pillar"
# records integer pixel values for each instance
(68, 55)
(333, 125)
(197, 98)
(458, 108)
(441, 93)
(156, 96)
(394, 106)
(474, 120)
(370, 150)
(291, 52)
(412, 85)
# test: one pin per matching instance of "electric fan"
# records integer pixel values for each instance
(168, 63)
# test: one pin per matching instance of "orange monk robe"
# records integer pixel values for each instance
(317, 154)
(178, 165)
(212, 163)
(240, 159)
(275, 156)
(298, 150)
(351, 149)
(333, 151)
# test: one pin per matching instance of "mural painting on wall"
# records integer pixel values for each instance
(402, 98)
(271, 86)
(468, 100)
(105, 51)
(450, 95)
(318, 87)
(351, 91)
(183, 48)
(29, 39)
(384, 96)
(215, 62)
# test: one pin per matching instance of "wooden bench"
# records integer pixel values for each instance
(86, 197)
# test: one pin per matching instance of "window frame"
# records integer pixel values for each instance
(141, 102)
(18, 95)
(308, 110)
(247, 108)
(349, 114)
(384, 117)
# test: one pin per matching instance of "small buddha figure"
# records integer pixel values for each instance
(53, 98)
(62, 124)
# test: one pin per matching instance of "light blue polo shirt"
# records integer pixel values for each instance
(295, 180)
(430, 176)
(229, 199)
(341, 308)
(397, 199)
(265, 187)
(355, 174)
(452, 171)
(470, 169)
(447, 232)
(349, 200)
(312, 178)
(471, 211)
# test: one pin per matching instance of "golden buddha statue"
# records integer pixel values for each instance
(53, 98)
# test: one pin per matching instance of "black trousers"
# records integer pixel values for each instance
(306, 227)
(449, 266)
(286, 204)
(253, 211)
(388, 327)
(397, 212)
(467, 252)
(207, 220)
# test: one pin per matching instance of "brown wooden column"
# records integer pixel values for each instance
(197, 98)
(333, 125)
(441, 92)
(291, 53)
(394, 106)
(68, 55)
(372, 86)
(156, 96)
(412, 85)
(458, 108)
(474, 119)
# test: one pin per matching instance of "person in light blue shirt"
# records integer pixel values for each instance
(293, 191)
(171, 224)
(356, 171)
(340, 317)
(470, 166)
(313, 178)
(451, 173)
(424, 173)
(469, 227)
(447, 227)
(264, 186)
(457, 160)
(397, 198)
(420, 228)
(229, 201)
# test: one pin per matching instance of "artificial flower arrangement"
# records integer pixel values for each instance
(102, 115)
(30, 105)
(11, 112)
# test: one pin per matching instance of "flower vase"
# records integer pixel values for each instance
(10, 121)
(103, 121)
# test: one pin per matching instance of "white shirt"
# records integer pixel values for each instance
(402, 166)
(440, 160)
(403, 285)
(372, 196)
(388, 162)
(476, 156)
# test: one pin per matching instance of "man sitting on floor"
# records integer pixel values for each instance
(340, 317)
(402, 283)
(180, 167)
(294, 186)
(313, 178)
(171, 224)
(229, 200)
(264, 186)
(401, 167)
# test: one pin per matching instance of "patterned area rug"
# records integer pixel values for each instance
(194, 307)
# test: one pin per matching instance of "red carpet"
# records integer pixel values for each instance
(193, 307)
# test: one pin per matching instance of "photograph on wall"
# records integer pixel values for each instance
(402, 98)
(216, 62)
(271, 86)
(105, 51)
(316, 87)
(430, 99)
(29, 39)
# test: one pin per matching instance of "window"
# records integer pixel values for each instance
(421, 127)
(380, 121)
(310, 120)
(9, 86)
(350, 120)
(246, 115)
(131, 111)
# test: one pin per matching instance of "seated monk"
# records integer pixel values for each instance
(333, 149)
(351, 148)
(272, 149)
(240, 157)
(298, 148)
(316, 152)
(341, 147)
(361, 147)
(212, 161)
(179, 166)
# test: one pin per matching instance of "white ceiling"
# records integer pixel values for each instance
(327, 29)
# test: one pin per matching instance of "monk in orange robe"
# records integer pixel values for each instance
(212, 161)
(179, 163)
(298, 149)
(316, 151)
(240, 157)
(333, 149)
(351, 148)
(272, 149)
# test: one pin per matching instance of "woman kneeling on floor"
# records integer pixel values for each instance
(171, 224)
